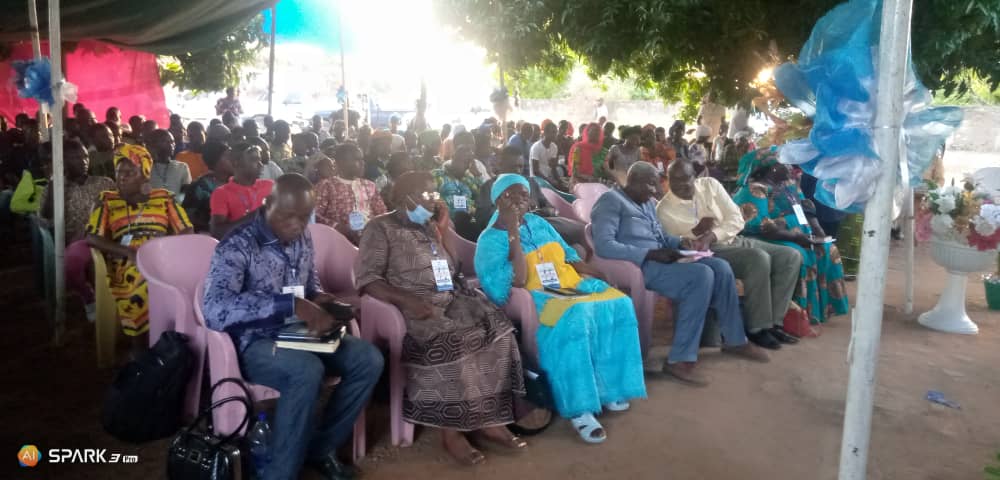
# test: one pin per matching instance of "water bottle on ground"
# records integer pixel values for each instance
(259, 439)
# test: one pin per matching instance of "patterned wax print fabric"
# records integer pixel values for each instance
(463, 366)
(449, 187)
(116, 220)
(821, 290)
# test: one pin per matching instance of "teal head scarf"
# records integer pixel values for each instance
(500, 185)
(755, 160)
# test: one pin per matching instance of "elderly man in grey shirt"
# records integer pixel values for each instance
(625, 227)
(167, 173)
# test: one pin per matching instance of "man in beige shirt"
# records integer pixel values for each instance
(700, 211)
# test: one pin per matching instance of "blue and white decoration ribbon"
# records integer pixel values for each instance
(33, 79)
(834, 82)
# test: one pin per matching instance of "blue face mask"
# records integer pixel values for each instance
(419, 215)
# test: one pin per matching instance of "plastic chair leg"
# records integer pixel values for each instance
(401, 430)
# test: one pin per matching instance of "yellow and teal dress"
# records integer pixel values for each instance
(588, 346)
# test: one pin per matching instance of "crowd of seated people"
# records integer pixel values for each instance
(395, 195)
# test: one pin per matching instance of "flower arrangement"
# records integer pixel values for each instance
(966, 215)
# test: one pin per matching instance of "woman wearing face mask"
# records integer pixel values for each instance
(450, 332)
(588, 345)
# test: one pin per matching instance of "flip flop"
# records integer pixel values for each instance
(617, 406)
(586, 425)
(512, 442)
(469, 458)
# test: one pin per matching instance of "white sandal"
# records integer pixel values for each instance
(617, 406)
(586, 425)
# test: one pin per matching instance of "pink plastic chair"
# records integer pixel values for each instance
(627, 277)
(334, 260)
(174, 267)
(466, 253)
(562, 206)
(590, 190)
(383, 324)
(583, 205)
(223, 363)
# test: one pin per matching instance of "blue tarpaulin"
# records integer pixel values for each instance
(312, 22)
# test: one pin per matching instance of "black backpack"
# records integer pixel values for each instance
(145, 400)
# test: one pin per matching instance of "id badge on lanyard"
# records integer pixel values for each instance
(547, 274)
(800, 215)
(356, 221)
(442, 272)
(126, 240)
(292, 285)
(461, 202)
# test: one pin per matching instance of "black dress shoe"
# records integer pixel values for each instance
(764, 339)
(333, 469)
(784, 337)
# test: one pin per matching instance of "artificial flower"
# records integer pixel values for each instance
(983, 226)
(990, 213)
(945, 204)
(984, 242)
(942, 224)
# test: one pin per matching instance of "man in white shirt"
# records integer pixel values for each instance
(398, 143)
(545, 156)
(711, 114)
(167, 173)
(600, 111)
(700, 211)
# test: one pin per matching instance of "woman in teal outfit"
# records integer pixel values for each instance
(588, 343)
(775, 210)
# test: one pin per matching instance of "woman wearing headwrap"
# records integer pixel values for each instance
(776, 211)
(586, 157)
(125, 219)
(462, 361)
(588, 342)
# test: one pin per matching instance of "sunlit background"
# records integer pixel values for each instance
(390, 46)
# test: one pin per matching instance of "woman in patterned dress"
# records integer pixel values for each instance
(776, 211)
(462, 361)
(124, 220)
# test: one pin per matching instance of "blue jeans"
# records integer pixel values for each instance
(298, 376)
(694, 287)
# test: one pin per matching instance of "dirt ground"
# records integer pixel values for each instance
(776, 421)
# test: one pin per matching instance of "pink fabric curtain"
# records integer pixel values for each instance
(105, 75)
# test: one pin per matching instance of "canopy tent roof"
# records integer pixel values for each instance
(159, 27)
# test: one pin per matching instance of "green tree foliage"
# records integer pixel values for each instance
(533, 82)
(992, 471)
(667, 43)
(974, 91)
(218, 66)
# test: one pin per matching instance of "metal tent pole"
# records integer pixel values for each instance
(909, 211)
(343, 65)
(270, 63)
(36, 49)
(867, 315)
(58, 179)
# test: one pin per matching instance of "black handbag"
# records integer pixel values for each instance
(198, 454)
